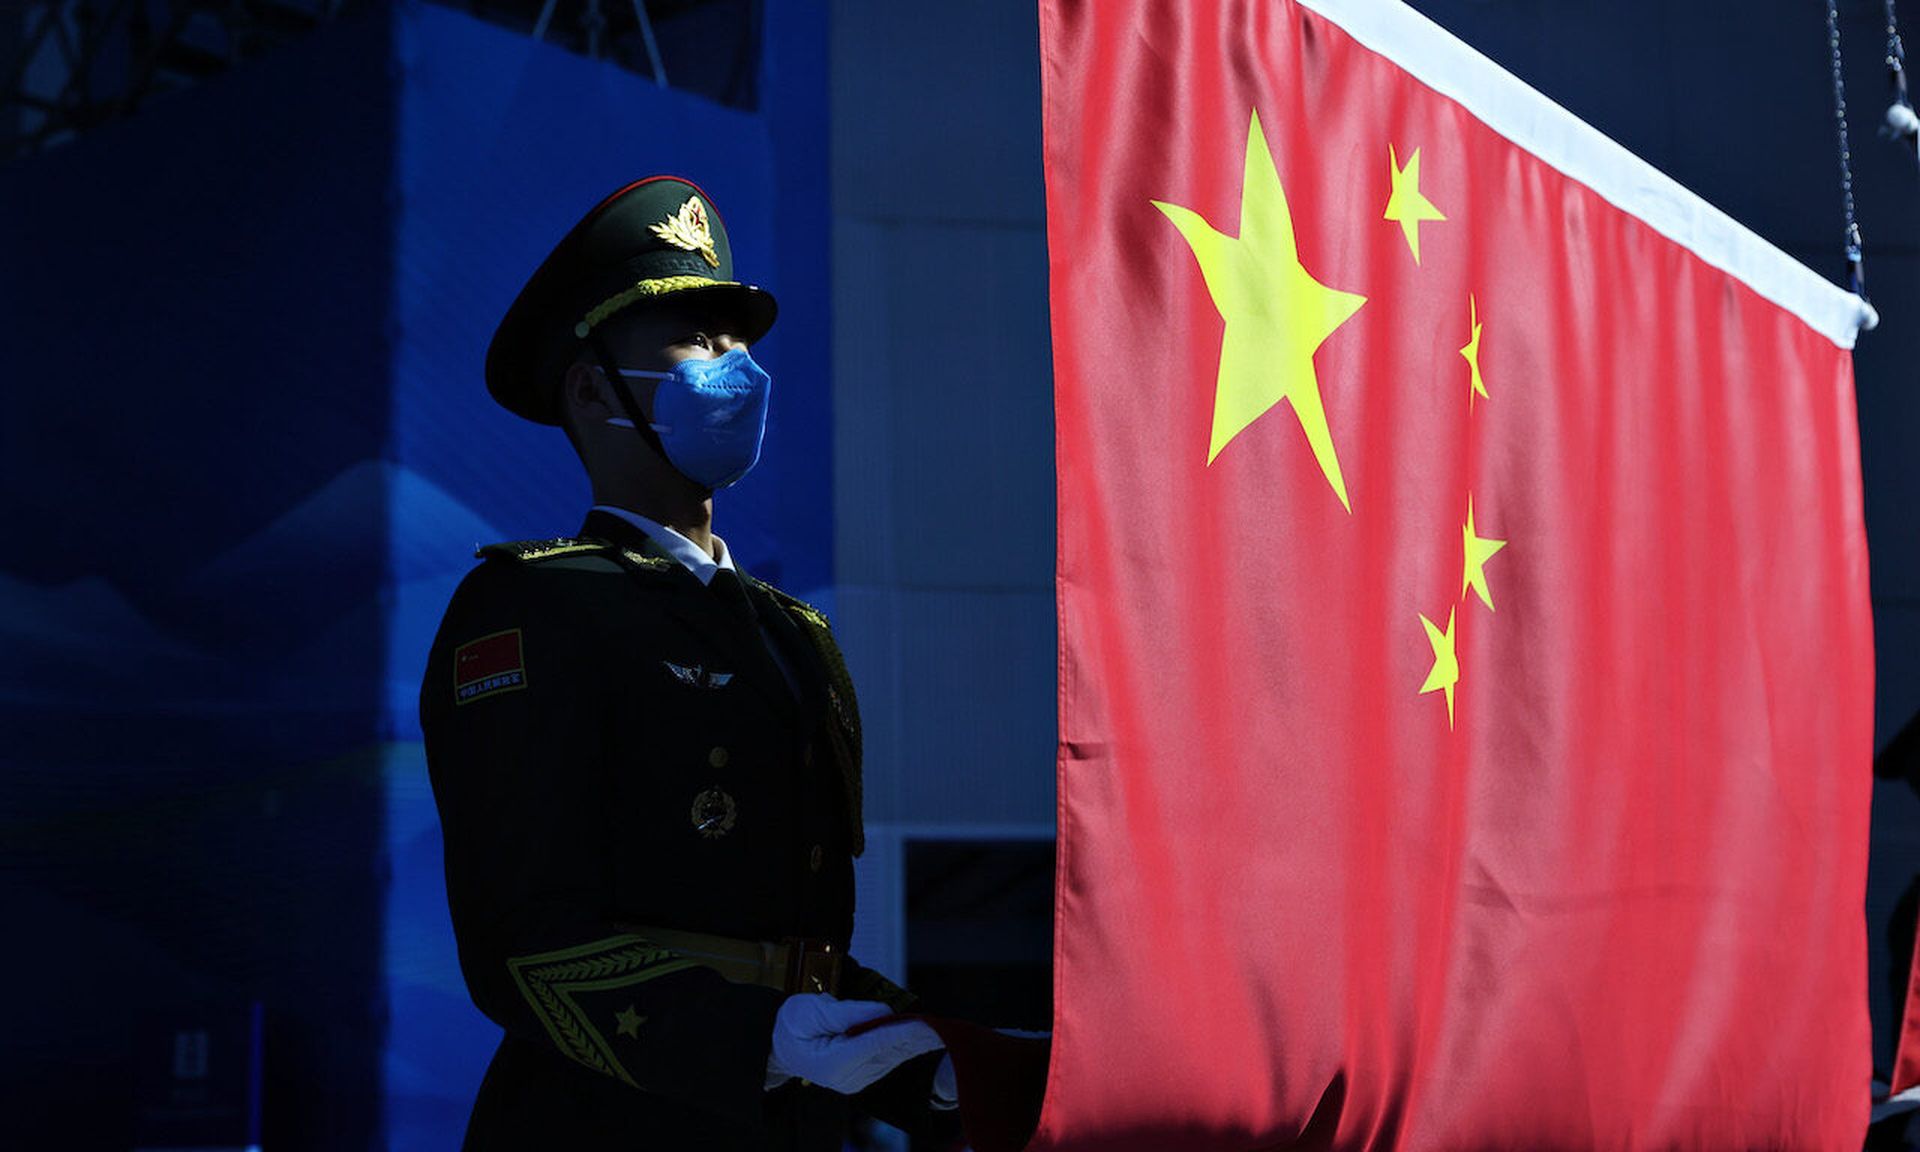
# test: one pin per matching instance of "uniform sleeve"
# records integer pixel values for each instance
(516, 713)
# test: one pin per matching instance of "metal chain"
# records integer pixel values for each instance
(1856, 272)
(1896, 55)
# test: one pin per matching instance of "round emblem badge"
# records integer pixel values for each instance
(714, 813)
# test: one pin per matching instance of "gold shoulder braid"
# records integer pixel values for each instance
(845, 732)
(551, 980)
(644, 562)
(536, 551)
(530, 551)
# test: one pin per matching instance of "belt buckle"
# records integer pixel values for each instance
(813, 965)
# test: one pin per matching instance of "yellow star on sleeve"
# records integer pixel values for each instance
(1406, 203)
(629, 1022)
(1446, 665)
(1277, 314)
(1472, 351)
(1479, 549)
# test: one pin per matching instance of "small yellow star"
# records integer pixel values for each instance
(1478, 549)
(1472, 351)
(630, 1022)
(1407, 204)
(1277, 314)
(1446, 665)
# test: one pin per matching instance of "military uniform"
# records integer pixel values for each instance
(614, 749)
(649, 787)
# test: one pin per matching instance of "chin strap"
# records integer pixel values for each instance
(625, 395)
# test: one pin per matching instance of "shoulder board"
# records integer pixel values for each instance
(563, 547)
(644, 562)
(534, 551)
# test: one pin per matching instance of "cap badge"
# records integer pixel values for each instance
(688, 229)
(714, 813)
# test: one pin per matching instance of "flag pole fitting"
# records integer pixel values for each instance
(1856, 262)
(1902, 124)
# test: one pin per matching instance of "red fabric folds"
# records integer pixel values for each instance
(1380, 826)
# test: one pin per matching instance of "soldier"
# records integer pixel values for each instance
(647, 763)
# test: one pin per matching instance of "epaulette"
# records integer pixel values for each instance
(532, 551)
(537, 551)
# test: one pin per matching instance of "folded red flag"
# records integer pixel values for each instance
(1001, 1079)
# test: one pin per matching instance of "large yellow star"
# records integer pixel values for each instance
(1472, 351)
(1277, 315)
(629, 1022)
(1407, 204)
(1479, 549)
(1446, 665)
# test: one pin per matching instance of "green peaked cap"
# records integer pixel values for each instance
(654, 240)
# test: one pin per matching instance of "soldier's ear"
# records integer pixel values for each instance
(586, 390)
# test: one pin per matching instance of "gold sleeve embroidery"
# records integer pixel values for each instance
(551, 982)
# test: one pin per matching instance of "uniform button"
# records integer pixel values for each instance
(717, 757)
(814, 859)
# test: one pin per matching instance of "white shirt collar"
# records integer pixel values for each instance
(677, 546)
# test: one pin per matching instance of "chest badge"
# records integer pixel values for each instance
(714, 813)
(697, 676)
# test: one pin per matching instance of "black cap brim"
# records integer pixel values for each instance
(531, 349)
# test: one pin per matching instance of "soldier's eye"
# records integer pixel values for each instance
(699, 340)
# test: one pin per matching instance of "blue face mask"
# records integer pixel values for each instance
(710, 416)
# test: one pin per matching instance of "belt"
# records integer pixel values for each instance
(795, 964)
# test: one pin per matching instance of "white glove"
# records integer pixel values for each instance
(810, 1042)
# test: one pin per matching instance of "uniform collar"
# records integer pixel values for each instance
(674, 545)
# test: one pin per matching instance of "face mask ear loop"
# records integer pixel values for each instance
(625, 394)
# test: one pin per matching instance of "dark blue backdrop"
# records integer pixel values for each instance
(247, 454)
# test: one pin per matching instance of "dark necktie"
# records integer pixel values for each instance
(727, 585)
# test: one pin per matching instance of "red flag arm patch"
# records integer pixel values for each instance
(488, 666)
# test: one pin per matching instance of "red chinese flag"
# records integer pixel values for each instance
(1466, 663)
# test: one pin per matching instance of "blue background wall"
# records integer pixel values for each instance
(195, 316)
(247, 455)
